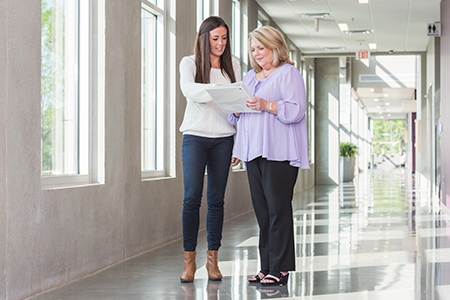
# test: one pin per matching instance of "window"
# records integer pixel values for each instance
(389, 136)
(263, 20)
(159, 3)
(156, 71)
(311, 114)
(236, 29)
(66, 86)
(293, 57)
(206, 8)
(259, 24)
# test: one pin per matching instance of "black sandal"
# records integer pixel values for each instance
(257, 278)
(275, 280)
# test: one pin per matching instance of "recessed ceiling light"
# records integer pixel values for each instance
(372, 46)
(387, 103)
(389, 115)
(343, 26)
(386, 95)
(364, 31)
(380, 112)
(376, 100)
(378, 107)
(315, 15)
(333, 48)
(361, 1)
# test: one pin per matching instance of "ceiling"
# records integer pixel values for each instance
(395, 26)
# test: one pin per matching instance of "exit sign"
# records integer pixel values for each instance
(362, 55)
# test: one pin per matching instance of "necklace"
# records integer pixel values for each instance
(264, 75)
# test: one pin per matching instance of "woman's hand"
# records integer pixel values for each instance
(234, 162)
(237, 115)
(258, 104)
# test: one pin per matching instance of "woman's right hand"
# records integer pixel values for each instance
(234, 162)
(237, 115)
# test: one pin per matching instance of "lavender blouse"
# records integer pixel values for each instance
(281, 137)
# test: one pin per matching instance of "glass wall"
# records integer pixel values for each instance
(389, 136)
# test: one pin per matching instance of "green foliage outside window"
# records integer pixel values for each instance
(388, 136)
(47, 84)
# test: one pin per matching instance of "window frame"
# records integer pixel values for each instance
(311, 114)
(205, 9)
(164, 94)
(89, 147)
(236, 17)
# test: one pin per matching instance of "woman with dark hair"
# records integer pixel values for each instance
(207, 141)
(275, 149)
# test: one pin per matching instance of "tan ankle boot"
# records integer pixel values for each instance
(212, 266)
(189, 267)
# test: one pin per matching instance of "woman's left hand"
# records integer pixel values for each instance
(258, 104)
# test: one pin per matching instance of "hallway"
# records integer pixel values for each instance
(375, 238)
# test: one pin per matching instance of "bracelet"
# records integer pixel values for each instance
(270, 107)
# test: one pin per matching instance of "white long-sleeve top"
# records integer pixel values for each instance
(203, 117)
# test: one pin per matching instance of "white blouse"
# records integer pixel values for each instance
(203, 117)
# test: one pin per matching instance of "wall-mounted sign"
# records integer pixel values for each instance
(362, 55)
(434, 29)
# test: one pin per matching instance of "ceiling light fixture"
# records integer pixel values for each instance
(372, 46)
(343, 26)
(365, 31)
(333, 48)
(361, 1)
(387, 103)
(376, 100)
(315, 15)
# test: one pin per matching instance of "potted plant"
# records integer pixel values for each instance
(348, 152)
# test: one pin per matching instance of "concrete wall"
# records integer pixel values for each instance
(327, 121)
(3, 141)
(52, 236)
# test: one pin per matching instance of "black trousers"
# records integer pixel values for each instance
(271, 187)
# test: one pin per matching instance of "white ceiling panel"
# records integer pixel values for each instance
(398, 25)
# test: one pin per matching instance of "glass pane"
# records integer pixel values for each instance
(159, 3)
(152, 97)
(59, 87)
(236, 37)
(388, 136)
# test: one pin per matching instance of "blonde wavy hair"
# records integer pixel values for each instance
(269, 38)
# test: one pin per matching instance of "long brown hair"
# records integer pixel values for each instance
(202, 51)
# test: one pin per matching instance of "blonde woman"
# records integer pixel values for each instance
(274, 145)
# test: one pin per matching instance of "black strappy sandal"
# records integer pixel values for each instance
(279, 280)
(257, 278)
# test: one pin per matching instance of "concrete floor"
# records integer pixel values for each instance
(375, 238)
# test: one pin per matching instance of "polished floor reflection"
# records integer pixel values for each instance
(375, 238)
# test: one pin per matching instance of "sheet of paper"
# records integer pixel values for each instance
(232, 98)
